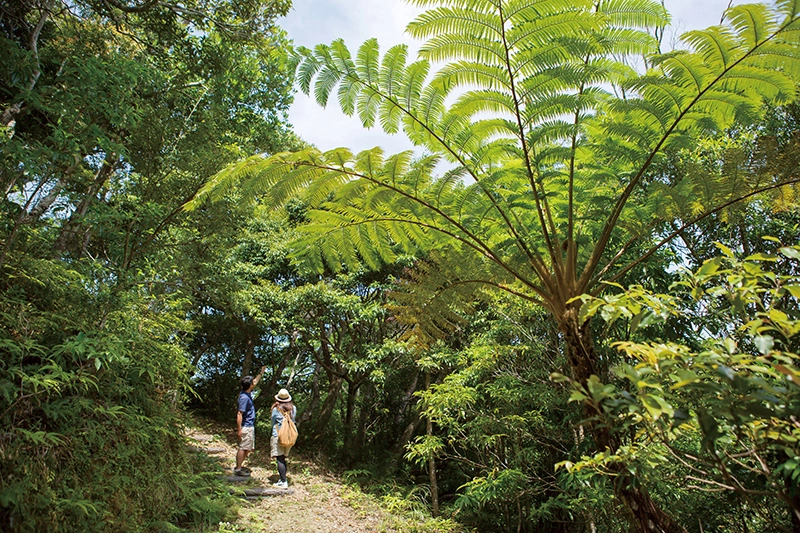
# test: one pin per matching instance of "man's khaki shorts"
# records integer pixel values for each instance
(248, 441)
(277, 450)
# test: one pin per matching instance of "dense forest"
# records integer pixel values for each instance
(573, 307)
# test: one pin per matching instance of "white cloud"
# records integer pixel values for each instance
(321, 21)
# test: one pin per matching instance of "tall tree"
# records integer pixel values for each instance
(553, 143)
(113, 115)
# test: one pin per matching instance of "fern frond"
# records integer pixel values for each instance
(716, 45)
(483, 101)
(397, 165)
(623, 41)
(307, 67)
(391, 81)
(479, 23)
(473, 74)
(789, 8)
(327, 76)
(751, 23)
(448, 46)
(635, 13)
(413, 82)
(226, 180)
(370, 163)
(367, 61)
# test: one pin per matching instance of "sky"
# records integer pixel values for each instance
(311, 22)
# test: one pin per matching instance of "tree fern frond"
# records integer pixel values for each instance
(447, 184)
(391, 81)
(536, 62)
(751, 23)
(556, 29)
(429, 110)
(624, 41)
(474, 74)
(448, 46)
(443, 20)
(716, 46)
(349, 89)
(483, 101)
(368, 61)
(396, 166)
(688, 70)
(419, 176)
(392, 70)
(366, 246)
(308, 66)
(789, 8)
(313, 183)
(551, 131)
(635, 13)
(226, 180)
(376, 197)
(370, 163)
(326, 77)
(772, 86)
(337, 157)
(367, 106)
(413, 82)
(778, 57)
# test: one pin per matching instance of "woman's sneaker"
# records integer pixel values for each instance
(282, 485)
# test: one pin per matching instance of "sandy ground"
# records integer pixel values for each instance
(318, 503)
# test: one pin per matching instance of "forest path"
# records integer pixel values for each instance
(317, 502)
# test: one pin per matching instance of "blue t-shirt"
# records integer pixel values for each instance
(247, 407)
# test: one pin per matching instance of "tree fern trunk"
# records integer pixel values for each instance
(645, 515)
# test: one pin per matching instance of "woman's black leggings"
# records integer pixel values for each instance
(282, 466)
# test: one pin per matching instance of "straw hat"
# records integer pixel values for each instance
(283, 396)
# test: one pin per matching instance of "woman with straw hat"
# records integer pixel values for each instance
(282, 408)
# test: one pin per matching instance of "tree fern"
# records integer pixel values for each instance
(551, 135)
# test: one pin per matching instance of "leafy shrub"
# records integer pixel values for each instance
(92, 427)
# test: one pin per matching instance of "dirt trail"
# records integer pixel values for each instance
(318, 502)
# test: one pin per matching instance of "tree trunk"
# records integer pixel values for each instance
(249, 351)
(644, 514)
(431, 459)
(794, 506)
(312, 406)
(70, 229)
(352, 393)
(7, 118)
(363, 418)
(407, 397)
(276, 374)
(328, 406)
(408, 432)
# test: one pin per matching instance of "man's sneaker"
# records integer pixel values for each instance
(245, 469)
(240, 472)
(282, 485)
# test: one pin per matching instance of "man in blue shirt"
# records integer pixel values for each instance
(246, 422)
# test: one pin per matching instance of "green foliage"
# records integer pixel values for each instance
(93, 437)
(567, 172)
(399, 512)
(724, 414)
(113, 116)
(517, 87)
